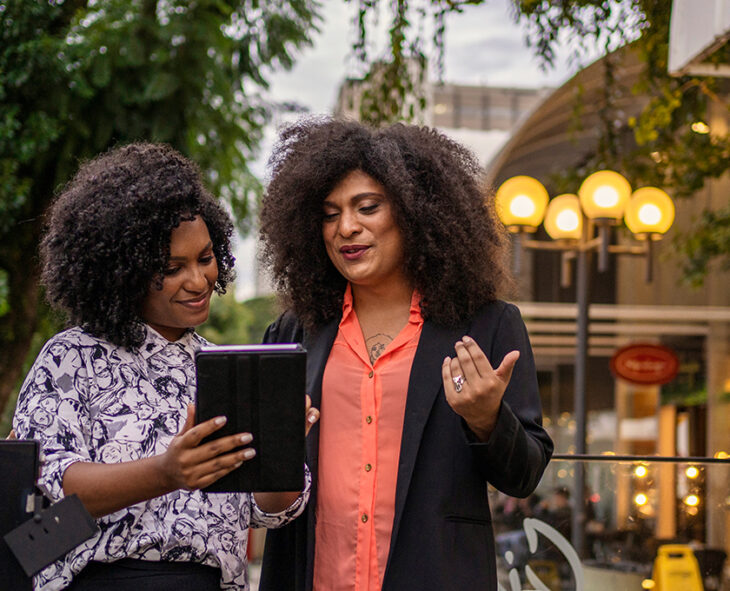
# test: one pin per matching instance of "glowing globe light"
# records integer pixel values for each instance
(563, 218)
(692, 472)
(640, 471)
(691, 500)
(522, 206)
(567, 221)
(521, 202)
(604, 194)
(650, 212)
(641, 499)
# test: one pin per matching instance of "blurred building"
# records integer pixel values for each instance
(480, 117)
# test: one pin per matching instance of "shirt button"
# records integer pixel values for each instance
(370, 375)
(368, 419)
(368, 467)
(364, 518)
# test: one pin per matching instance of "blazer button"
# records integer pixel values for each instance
(368, 467)
(364, 518)
(368, 419)
(370, 375)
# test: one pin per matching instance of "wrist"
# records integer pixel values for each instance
(481, 432)
(162, 475)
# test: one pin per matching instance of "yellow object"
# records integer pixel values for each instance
(564, 218)
(649, 212)
(547, 571)
(521, 203)
(676, 569)
(604, 194)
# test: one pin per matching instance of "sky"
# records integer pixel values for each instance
(483, 45)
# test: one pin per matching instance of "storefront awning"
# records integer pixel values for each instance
(698, 29)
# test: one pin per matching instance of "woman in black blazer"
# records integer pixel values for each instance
(391, 229)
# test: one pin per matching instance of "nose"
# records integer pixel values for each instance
(196, 281)
(349, 223)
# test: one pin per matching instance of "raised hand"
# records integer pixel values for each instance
(478, 394)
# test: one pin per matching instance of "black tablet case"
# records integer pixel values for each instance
(261, 390)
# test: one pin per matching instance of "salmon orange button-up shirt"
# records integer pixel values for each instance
(361, 424)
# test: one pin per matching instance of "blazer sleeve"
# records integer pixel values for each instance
(518, 449)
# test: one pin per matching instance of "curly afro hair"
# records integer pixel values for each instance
(455, 247)
(107, 239)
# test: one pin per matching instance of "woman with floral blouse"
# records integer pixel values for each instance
(134, 249)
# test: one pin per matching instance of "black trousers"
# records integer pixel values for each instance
(130, 574)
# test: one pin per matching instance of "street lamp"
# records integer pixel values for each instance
(577, 225)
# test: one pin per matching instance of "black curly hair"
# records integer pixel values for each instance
(107, 239)
(455, 246)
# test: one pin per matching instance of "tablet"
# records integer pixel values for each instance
(261, 390)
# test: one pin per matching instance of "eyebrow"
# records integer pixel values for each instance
(358, 197)
(202, 250)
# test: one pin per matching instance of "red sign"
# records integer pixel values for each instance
(645, 364)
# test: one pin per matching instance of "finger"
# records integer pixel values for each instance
(196, 434)
(12, 434)
(223, 464)
(189, 420)
(477, 355)
(504, 371)
(447, 375)
(217, 447)
(307, 403)
(312, 418)
(468, 369)
(209, 472)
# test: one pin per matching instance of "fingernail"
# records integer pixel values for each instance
(311, 418)
(467, 339)
(220, 420)
(238, 465)
(246, 438)
(446, 360)
(249, 453)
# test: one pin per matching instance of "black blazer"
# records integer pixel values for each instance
(442, 534)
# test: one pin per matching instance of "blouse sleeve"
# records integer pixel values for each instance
(52, 410)
(260, 518)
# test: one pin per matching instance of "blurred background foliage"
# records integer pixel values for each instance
(79, 76)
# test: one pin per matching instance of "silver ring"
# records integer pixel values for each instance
(459, 382)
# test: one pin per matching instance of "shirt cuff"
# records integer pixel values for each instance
(261, 518)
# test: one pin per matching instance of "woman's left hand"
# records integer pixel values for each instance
(482, 387)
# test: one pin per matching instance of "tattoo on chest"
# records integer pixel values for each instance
(376, 344)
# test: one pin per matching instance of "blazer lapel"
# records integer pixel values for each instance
(424, 385)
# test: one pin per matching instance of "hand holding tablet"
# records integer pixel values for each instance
(260, 389)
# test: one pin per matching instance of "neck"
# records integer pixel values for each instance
(391, 295)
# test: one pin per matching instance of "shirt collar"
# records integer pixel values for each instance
(154, 342)
(415, 311)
